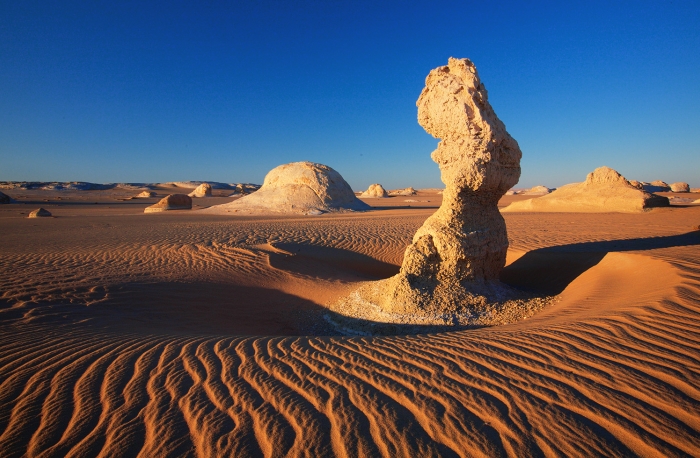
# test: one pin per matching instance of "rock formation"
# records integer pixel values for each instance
(171, 202)
(604, 190)
(203, 190)
(453, 265)
(300, 187)
(537, 191)
(403, 192)
(4, 198)
(145, 194)
(680, 187)
(375, 190)
(40, 213)
(656, 186)
(637, 184)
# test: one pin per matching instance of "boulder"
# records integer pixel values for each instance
(537, 191)
(40, 213)
(171, 202)
(145, 194)
(680, 187)
(203, 190)
(604, 190)
(4, 198)
(375, 190)
(299, 187)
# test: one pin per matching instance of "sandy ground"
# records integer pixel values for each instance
(181, 334)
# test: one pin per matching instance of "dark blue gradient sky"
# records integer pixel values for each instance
(224, 91)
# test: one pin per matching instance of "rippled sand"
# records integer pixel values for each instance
(181, 334)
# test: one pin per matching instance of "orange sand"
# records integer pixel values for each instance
(181, 334)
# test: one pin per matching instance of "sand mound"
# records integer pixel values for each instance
(40, 213)
(171, 202)
(300, 187)
(375, 190)
(680, 187)
(403, 192)
(604, 190)
(4, 198)
(536, 191)
(203, 190)
(145, 194)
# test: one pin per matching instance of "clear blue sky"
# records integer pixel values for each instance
(107, 91)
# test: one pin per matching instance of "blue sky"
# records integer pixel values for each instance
(225, 91)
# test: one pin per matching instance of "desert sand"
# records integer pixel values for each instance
(187, 334)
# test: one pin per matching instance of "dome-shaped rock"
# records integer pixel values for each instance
(537, 191)
(298, 187)
(375, 190)
(604, 190)
(171, 202)
(40, 213)
(403, 192)
(145, 194)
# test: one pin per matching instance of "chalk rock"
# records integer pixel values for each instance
(40, 213)
(403, 192)
(537, 191)
(203, 190)
(680, 187)
(604, 190)
(657, 186)
(454, 262)
(145, 194)
(375, 190)
(4, 198)
(299, 187)
(171, 202)
(637, 184)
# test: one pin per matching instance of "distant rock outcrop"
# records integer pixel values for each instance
(300, 187)
(604, 190)
(145, 194)
(656, 186)
(680, 187)
(4, 198)
(403, 192)
(171, 202)
(375, 190)
(637, 184)
(536, 191)
(40, 213)
(203, 190)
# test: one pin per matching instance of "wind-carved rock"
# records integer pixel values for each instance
(459, 252)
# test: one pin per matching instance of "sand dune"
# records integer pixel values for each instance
(201, 335)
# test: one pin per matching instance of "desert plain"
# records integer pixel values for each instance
(186, 333)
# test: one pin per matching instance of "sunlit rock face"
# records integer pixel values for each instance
(457, 255)
(203, 190)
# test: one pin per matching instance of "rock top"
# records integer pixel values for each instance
(299, 187)
(40, 213)
(171, 202)
(203, 190)
(375, 190)
(680, 187)
(604, 190)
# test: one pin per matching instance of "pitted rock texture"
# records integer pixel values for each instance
(454, 262)
(171, 202)
(203, 190)
(299, 187)
(604, 190)
(375, 190)
(680, 187)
